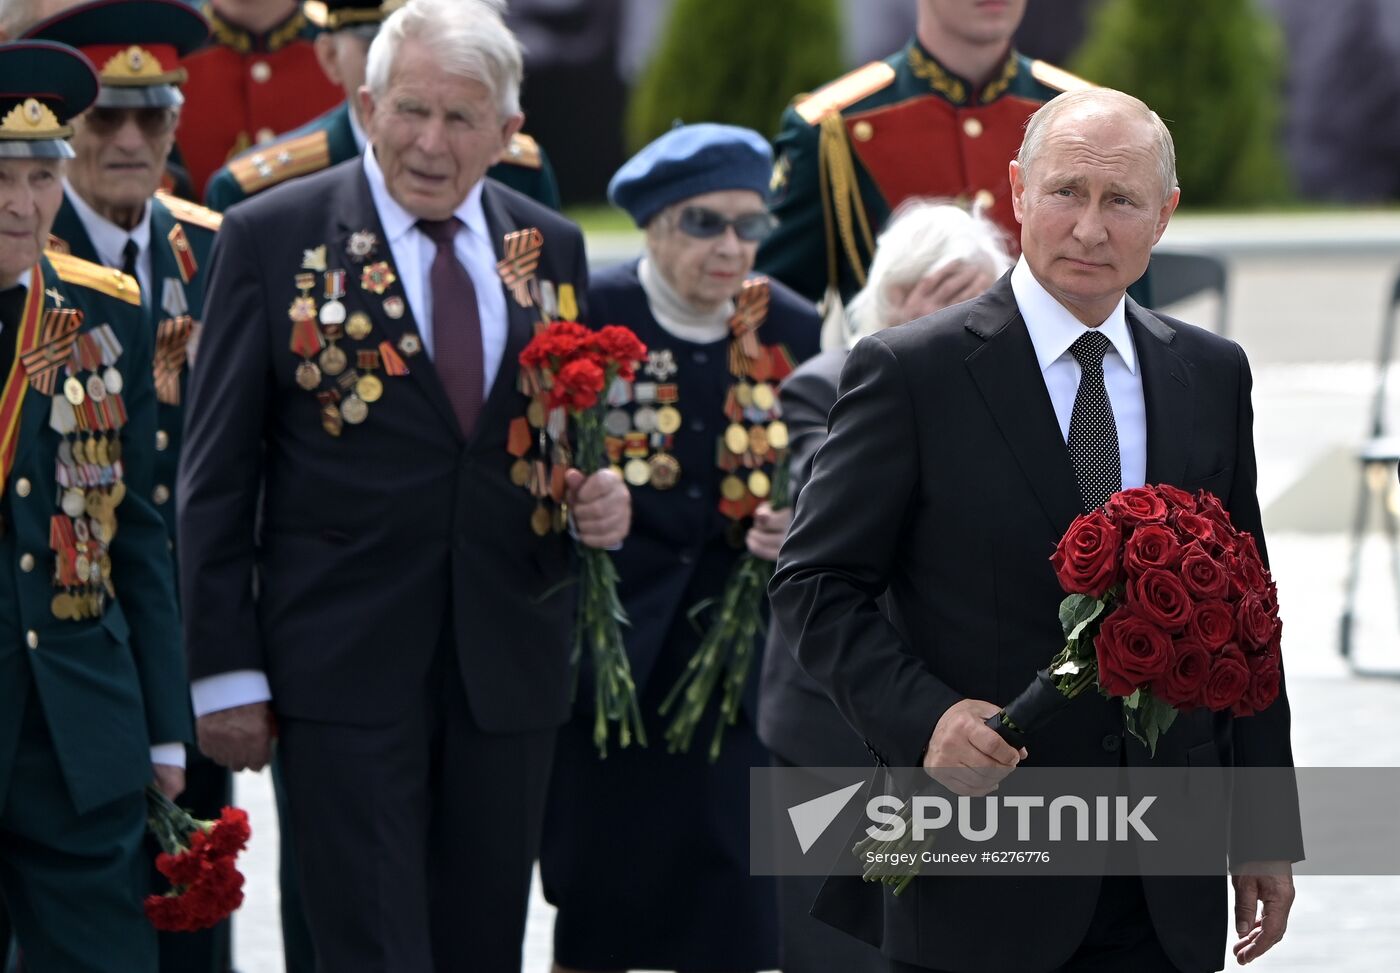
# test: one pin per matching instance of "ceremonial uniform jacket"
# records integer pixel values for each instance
(330, 140)
(850, 153)
(103, 656)
(182, 235)
(245, 89)
(383, 535)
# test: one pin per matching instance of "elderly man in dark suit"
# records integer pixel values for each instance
(350, 407)
(957, 457)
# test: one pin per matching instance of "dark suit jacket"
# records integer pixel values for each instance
(944, 486)
(377, 544)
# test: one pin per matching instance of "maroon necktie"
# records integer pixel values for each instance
(457, 354)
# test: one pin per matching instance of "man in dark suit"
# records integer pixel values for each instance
(352, 395)
(955, 461)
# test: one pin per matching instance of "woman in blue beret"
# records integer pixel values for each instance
(646, 852)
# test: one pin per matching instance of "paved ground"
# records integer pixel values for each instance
(1306, 301)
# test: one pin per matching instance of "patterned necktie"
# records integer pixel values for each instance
(457, 353)
(1093, 435)
(129, 254)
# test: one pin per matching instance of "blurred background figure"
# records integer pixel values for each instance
(932, 254)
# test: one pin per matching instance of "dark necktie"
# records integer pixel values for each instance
(129, 254)
(1093, 436)
(457, 353)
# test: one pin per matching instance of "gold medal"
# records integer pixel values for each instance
(759, 484)
(62, 606)
(520, 473)
(535, 414)
(778, 435)
(743, 394)
(308, 375)
(358, 326)
(333, 360)
(637, 472)
(354, 410)
(118, 493)
(758, 440)
(302, 309)
(369, 388)
(73, 390)
(736, 439)
(540, 521)
(668, 420)
(763, 397)
(331, 421)
(732, 488)
(665, 470)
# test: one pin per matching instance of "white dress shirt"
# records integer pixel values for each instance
(1053, 329)
(110, 240)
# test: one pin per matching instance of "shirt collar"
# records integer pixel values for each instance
(1053, 328)
(108, 239)
(398, 221)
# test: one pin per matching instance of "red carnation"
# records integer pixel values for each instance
(577, 386)
(230, 833)
(1131, 508)
(1131, 651)
(1151, 546)
(1087, 558)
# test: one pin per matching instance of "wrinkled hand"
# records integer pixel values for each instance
(967, 756)
(239, 738)
(601, 506)
(1266, 884)
(768, 530)
(169, 779)
(950, 284)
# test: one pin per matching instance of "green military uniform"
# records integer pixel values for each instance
(330, 139)
(851, 152)
(91, 672)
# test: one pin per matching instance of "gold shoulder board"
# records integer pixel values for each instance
(844, 91)
(105, 280)
(187, 212)
(1058, 78)
(280, 161)
(522, 151)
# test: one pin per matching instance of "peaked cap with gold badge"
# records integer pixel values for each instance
(43, 87)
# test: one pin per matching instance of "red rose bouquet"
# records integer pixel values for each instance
(199, 859)
(570, 368)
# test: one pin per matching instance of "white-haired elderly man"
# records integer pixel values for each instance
(407, 640)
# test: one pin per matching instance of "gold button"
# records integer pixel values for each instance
(22, 487)
(161, 494)
(862, 131)
(261, 71)
(31, 639)
(162, 440)
(265, 135)
(26, 563)
(984, 199)
(973, 127)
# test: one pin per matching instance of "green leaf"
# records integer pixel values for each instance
(1076, 612)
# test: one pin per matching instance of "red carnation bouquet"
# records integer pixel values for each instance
(570, 368)
(199, 859)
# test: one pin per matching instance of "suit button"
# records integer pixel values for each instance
(22, 487)
(160, 494)
(697, 425)
(31, 639)
(694, 492)
(699, 357)
(162, 440)
(863, 131)
(687, 557)
(26, 563)
(1112, 742)
(973, 127)
(261, 72)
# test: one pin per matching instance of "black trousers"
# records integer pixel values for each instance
(415, 841)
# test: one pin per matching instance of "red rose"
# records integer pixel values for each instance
(1087, 558)
(1175, 497)
(1140, 505)
(1151, 546)
(1180, 684)
(1194, 525)
(1208, 505)
(1160, 598)
(577, 386)
(1256, 623)
(1212, 624)
(1264, 677)
(1203, 575)
(1131, 652)
(1227, 681)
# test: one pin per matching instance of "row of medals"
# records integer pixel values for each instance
(363, 388)
(539, 480)
(89, 473)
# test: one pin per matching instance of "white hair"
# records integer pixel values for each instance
(1039, 125)
(922, 236)
(467, 38)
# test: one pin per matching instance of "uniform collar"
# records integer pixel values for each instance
(1053, 328)
(228, 34)
(108, 239)
(397, 221)
(954, 87)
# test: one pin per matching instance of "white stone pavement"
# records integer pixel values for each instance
(1306, 301)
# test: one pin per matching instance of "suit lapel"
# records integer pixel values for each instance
(1008, 376)
(503, 402)
(1167, 396)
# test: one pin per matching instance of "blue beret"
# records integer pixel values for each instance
(688, 161)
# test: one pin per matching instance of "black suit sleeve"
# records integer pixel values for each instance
(221, 463)
(807, 398)
(844, 548)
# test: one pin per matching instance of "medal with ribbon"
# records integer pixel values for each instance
(522, 259)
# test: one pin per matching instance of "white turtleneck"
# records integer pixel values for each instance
(677, 316)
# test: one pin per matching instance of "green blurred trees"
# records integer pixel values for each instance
(1212, 70)
(738, 63)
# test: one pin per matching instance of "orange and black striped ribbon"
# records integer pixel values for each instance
(172, 337)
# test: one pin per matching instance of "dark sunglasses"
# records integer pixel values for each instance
(153, 122)
(697, 221)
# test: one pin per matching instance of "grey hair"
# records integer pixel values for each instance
(923, 235)
(1044, 119)
(16, 16)
(467, 38)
